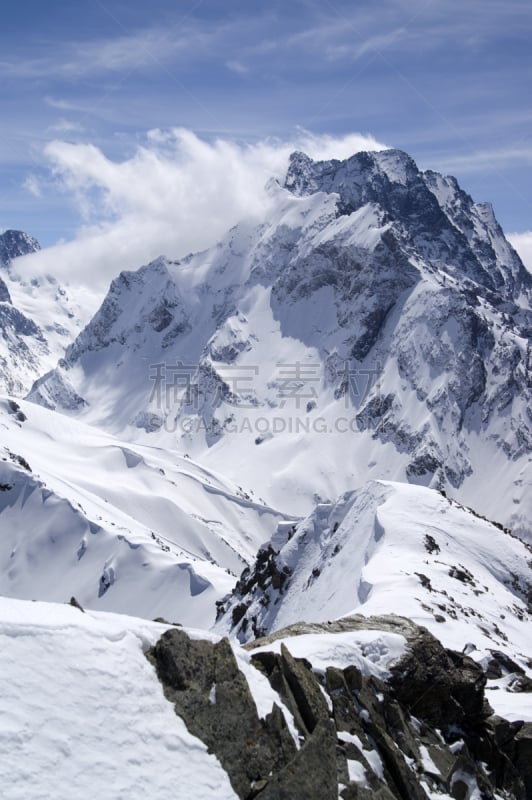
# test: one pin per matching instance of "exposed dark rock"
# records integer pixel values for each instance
(461, 574)
(432, 693)
(161, 317)
(425, 463)
(312, 771)
(523, 756)
(293, 680)
(13, 319)
(425, 728)
(212, 696)
(439, 686)
(430, 544)
(14, 244)
(424, 581)
(20, 460)
(73, 602)
(238, 612)
(15, 409)
(4, 293)
(520, 683)
(501, 664)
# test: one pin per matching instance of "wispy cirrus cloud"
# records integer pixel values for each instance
(236, 66)
(112, 54)
(65, 126)
(483, 160)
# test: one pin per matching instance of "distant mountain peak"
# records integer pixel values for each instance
(14, 244)
(306, 176)
(38, 317)
(299, 177)
(431, 213)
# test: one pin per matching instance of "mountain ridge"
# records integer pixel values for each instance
(359, 274)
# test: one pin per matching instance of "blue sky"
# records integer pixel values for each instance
(449, 82)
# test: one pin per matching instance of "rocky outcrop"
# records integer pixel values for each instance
(5, 297)
(442, 687)
(422, 731)
(212, 696)
(14, 244)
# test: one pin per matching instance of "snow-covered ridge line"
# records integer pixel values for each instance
(393, 547)
(121, 527)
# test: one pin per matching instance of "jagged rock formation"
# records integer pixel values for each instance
(22, 341)
(211, 694)
(421, 730)
(376, 303)
(37, 318)
(14, 244)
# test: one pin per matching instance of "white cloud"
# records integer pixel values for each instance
(236, 66)
(522, 242)
(33, 186)
(62, 105)
(65, 126)
(176, 194)
(124, 53)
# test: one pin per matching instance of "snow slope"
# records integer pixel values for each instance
(122, 527)
(393, 548)
(83, 714)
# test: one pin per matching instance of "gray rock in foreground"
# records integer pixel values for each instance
(424, 731)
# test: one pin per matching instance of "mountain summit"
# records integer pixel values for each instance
(14, 244)
(373, 326)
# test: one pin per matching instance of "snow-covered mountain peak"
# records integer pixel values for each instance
(38, 316)
(14, 244)
(300, 177)
(431, 214)
(364, 177)
(373, 297)
(306, 176)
